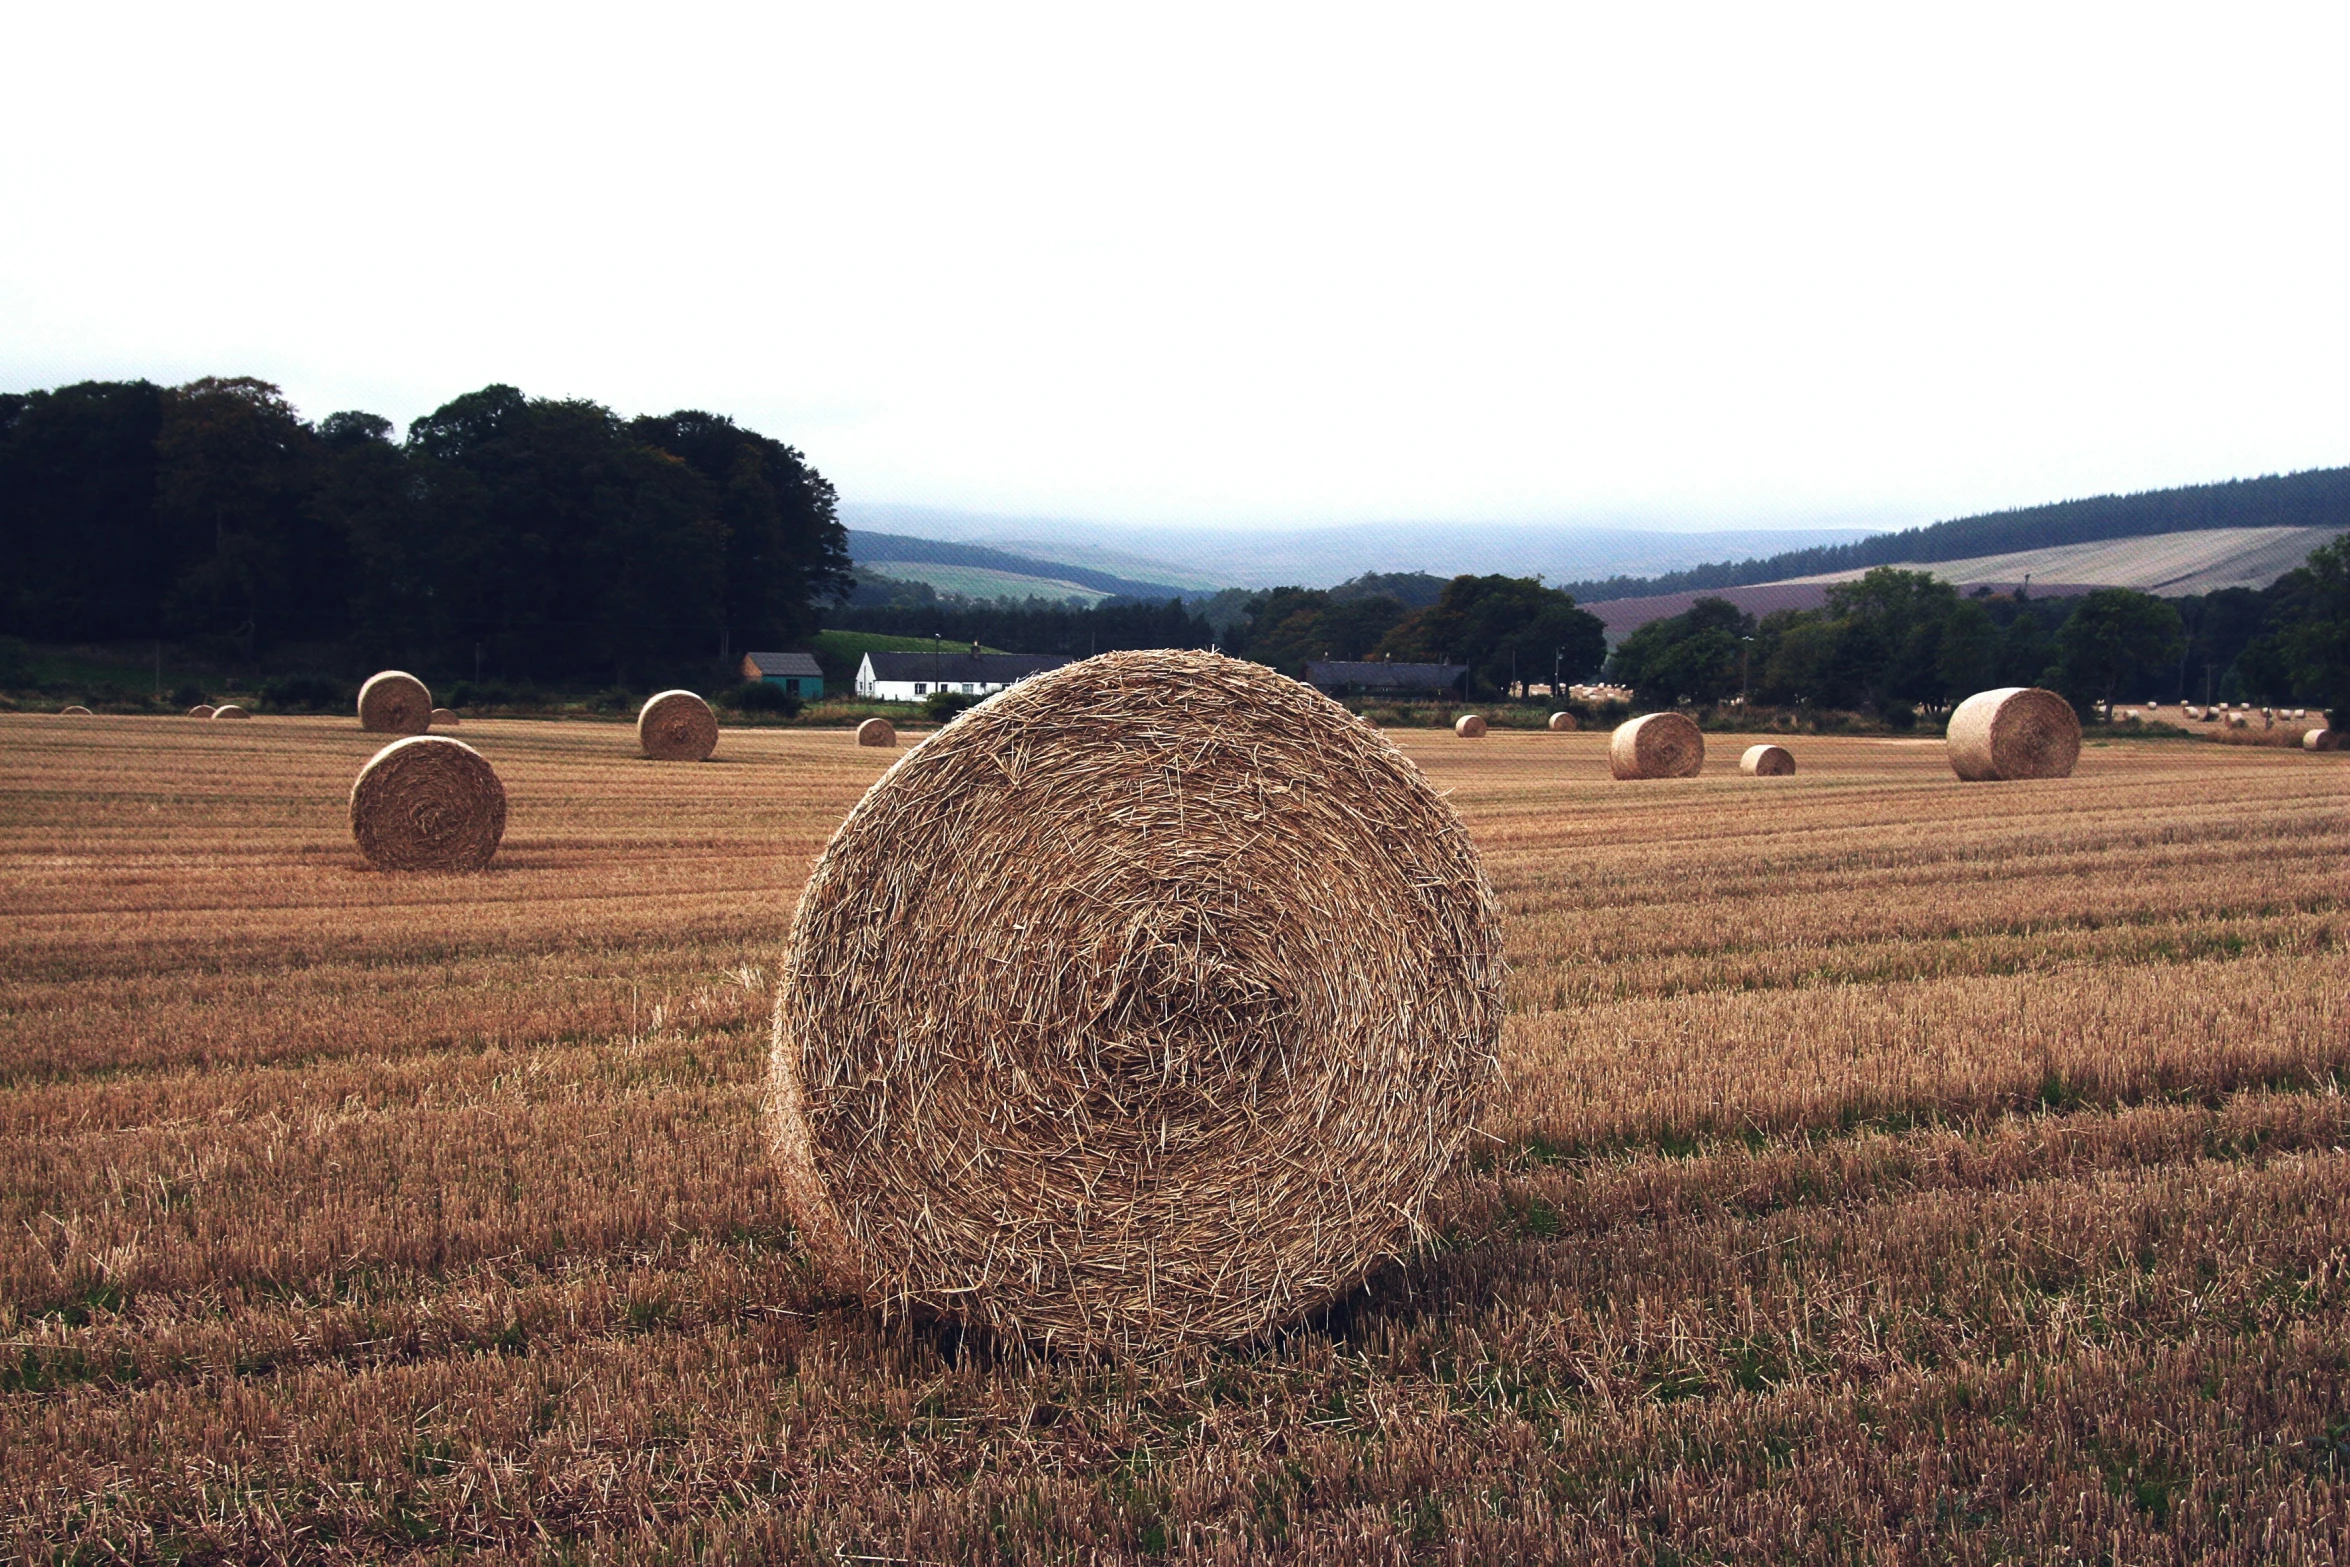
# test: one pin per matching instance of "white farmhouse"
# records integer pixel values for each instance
(909, 677)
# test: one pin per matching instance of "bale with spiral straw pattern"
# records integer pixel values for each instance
(394, 703)
(1242, 1002)
(1469, 726)
(877, 731)
(445, 718)
(1767, 761)
(1563, 723)
(2014, 732)
(200, 710)
(229, 710)
(677, 726)
(1656, 745)
(428, 803)
(2320, 740)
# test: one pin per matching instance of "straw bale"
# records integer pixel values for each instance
(200, 710)
(1563, 723)
(1767, 761)
(877, 731)
(1231, 999)
(1469, 726)
(428, 803)
(229, 710)
(2014, 732)
(445, 718)
(677, 726)
(394, 703)
(75, 710)
(1656, 745)
(2321, 740)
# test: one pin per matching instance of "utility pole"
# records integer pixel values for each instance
(1745, 662)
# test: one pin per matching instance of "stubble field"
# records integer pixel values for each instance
(1887, 1169)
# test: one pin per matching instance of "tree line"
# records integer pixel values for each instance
(1895, 641)
(504, 535)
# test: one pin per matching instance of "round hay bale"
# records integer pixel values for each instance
(445, 718)
(75, 710)
(428, 803)
(1469, 726)
(877, 731)
(2237, 721)
(1656, 745)
(2321, 740)
(229, 710)
(200, 710)
(394, 703)
(2014, 732)
(1767, 761)
(1241, 1004)
(1563, 723)
(677, 726)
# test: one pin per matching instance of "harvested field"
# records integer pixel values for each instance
(1886, 1167)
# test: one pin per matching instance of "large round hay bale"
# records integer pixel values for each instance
(394, 703)
(75, 710)
(1469, 726)
(1656, 745)
(2321, 740)
(677, 726)
(1563, 723)
(229, 710)
(1767, 761)
(445, 718)
(2014, 732)
(1147, 1004)
(200, 710)
(428, 803)
(877, 731)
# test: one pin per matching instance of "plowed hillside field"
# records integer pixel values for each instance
(1887, 1168)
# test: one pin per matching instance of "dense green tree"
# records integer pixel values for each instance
(77, 513)
(1694, 655)
(2112, 635)
(1508, 630)
(2316, 635)
(234, 469)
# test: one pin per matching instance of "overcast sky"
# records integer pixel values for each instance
(1675, 265)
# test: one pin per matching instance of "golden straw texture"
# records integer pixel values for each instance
(677, 726)
(229, 710)
(1767, 761)
(200, 710)
(1145, 1004)
(445, 718)
(394, 703)
(2014, 732)
(428, 803)
(1468, 726)
(1656, 745)
(1563, 723)
(877, 731)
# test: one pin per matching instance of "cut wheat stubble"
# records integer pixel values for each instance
(2015, 732)
(677, 726)
(395, 703)
(1656, 745)
(1234, 1002)
(428, 803)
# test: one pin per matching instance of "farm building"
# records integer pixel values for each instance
(795, 672)
(909, 677)
(1338, 677)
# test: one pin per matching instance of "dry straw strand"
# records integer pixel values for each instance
(229, 710)
(2014, 732)
(1563, 723)
(394, 703)
(1469, 726)
(445, 718)
(677, 726)
(428, 803)
(1767, 761)
(200, 710)
(1227, 1002)
(877, 731)
(1656, 745)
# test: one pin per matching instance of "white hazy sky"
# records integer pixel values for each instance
(1688, 266)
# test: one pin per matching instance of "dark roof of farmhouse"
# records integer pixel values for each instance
(960, 666)
(801, 664)
(1378, 676)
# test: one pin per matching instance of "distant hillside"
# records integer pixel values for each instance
(977, 571)
(2316, 499)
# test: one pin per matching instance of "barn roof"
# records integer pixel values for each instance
(1338, 674)
(987, 668)
(770, 665)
